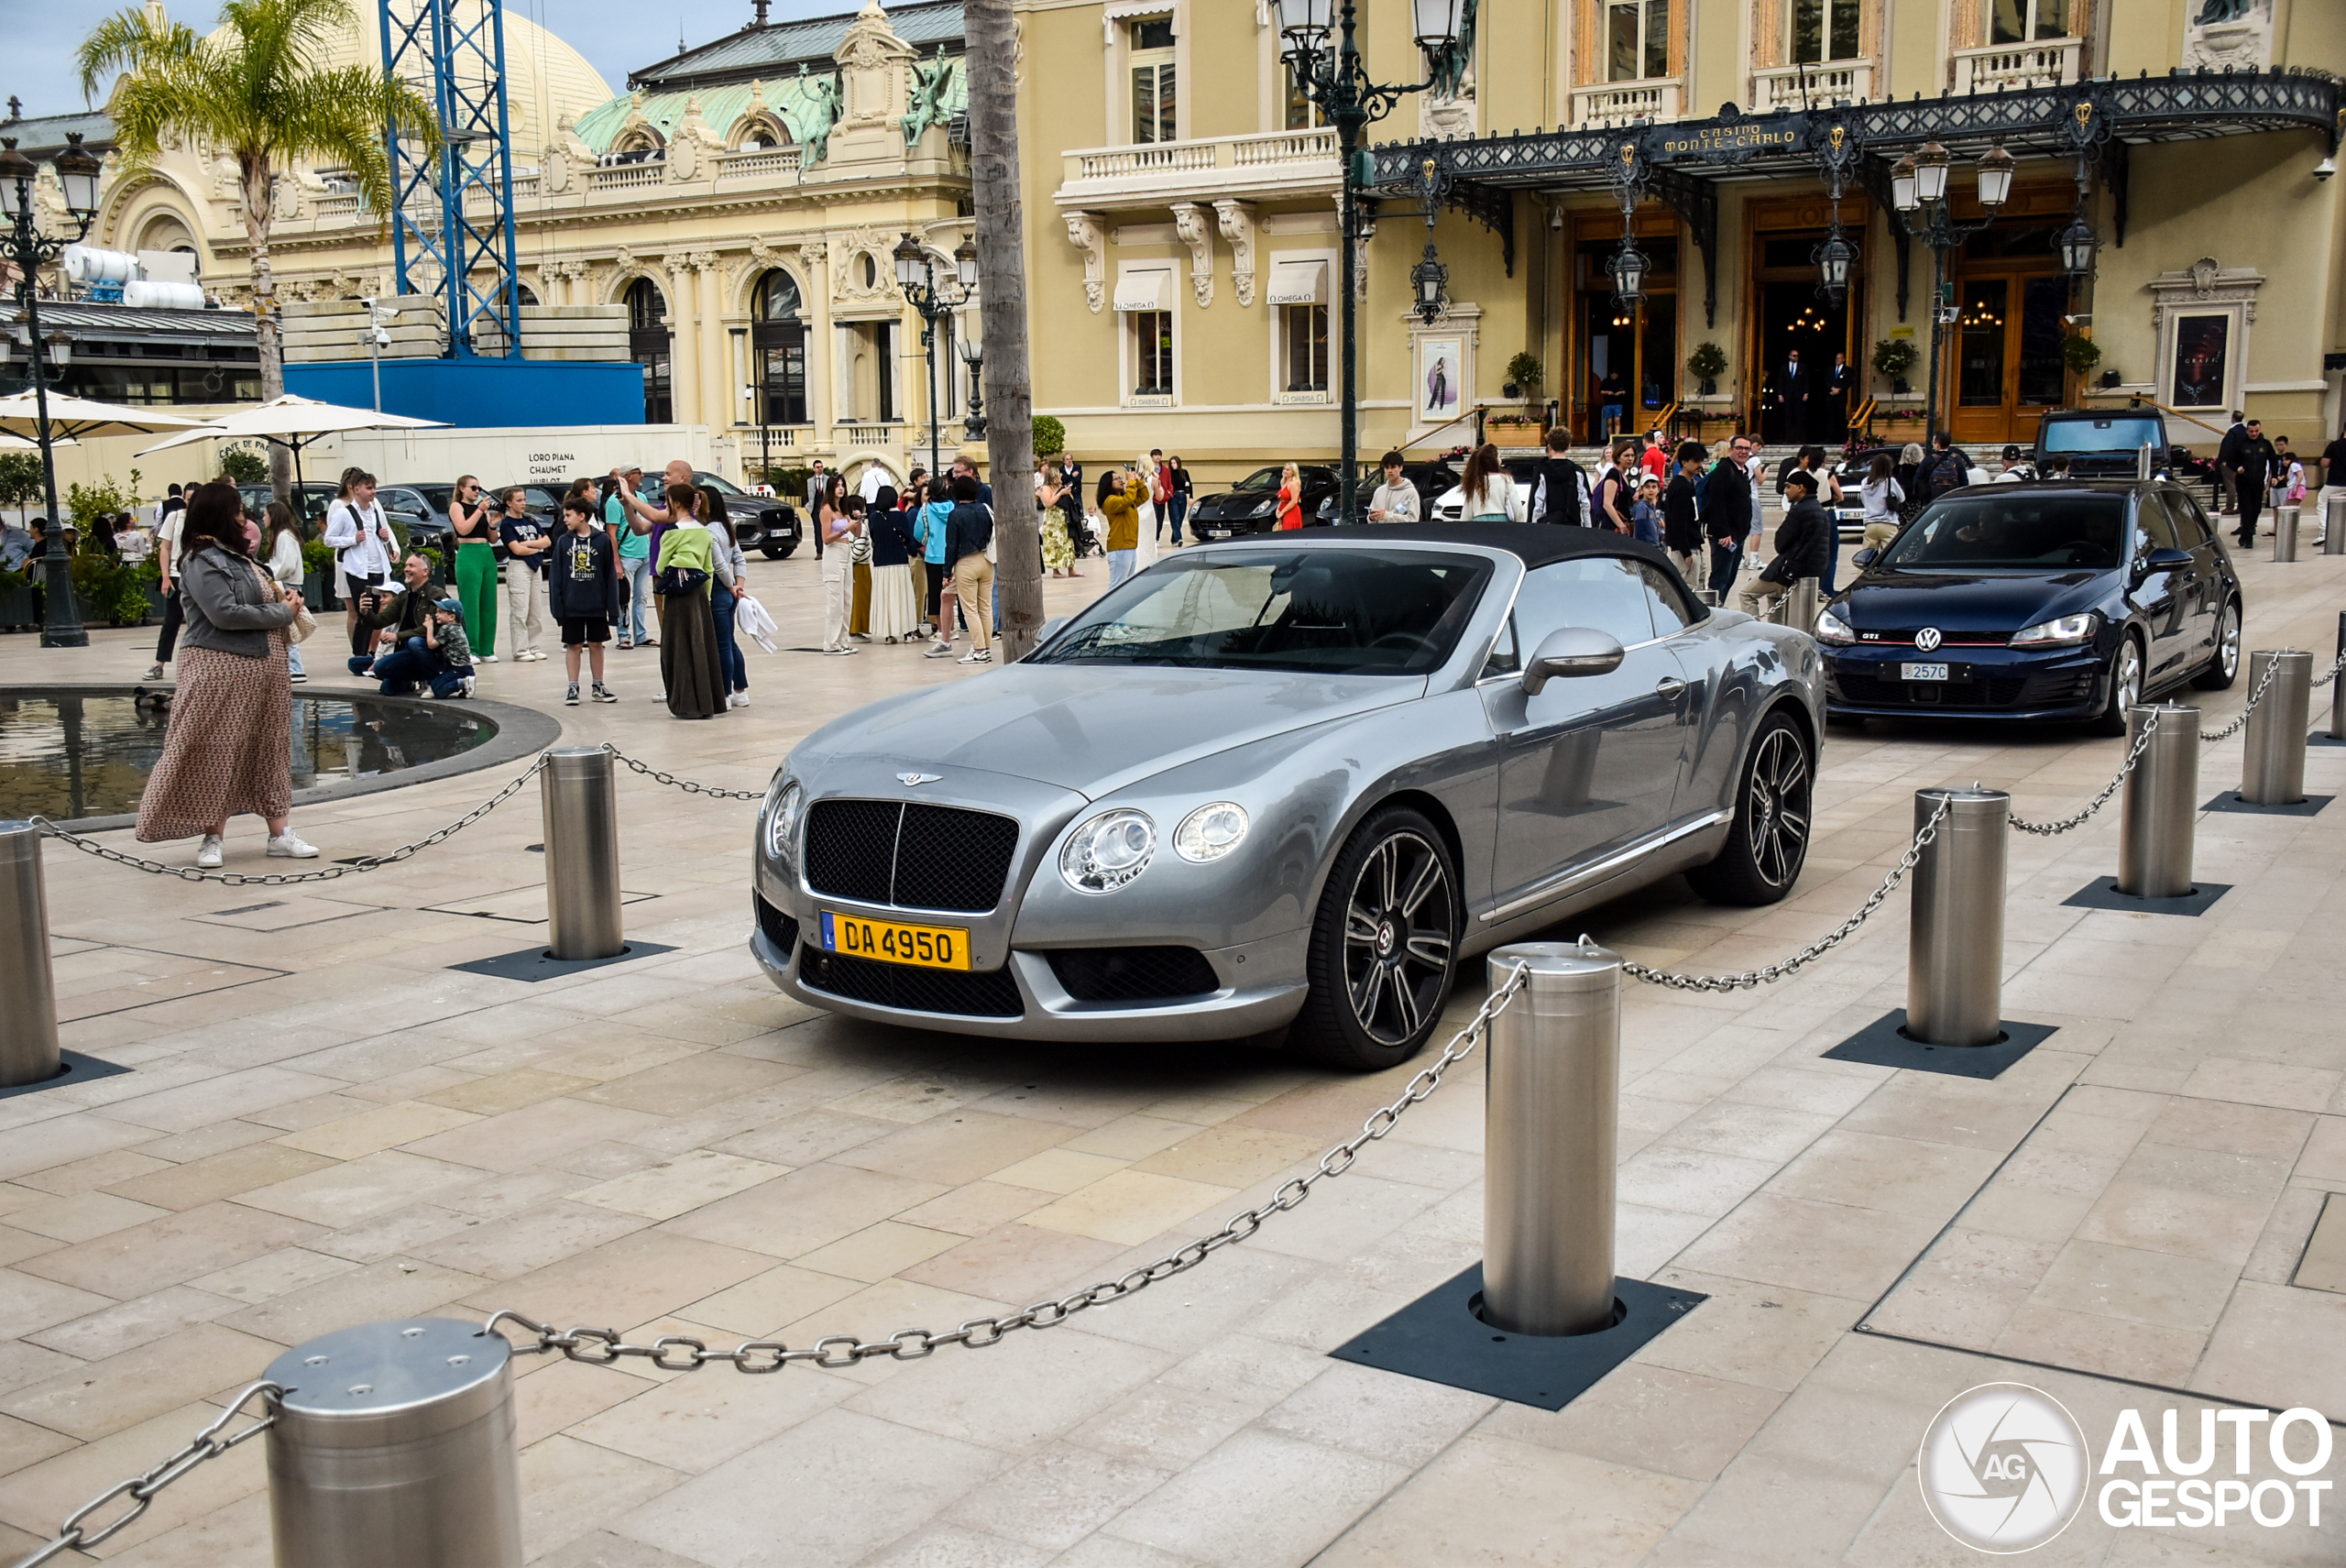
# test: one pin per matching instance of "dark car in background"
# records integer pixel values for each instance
(2068, 600)
(763, 523)
(2101, 444)
(1429, 478)
(1252, 505)
(310, 499)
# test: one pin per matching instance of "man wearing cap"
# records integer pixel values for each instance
(635, 557)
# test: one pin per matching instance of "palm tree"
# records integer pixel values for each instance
(256, 90)
(1002, 273)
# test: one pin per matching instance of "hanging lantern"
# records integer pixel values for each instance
(1833, 261)
(2077, 245)
(1430, 282)
(1901, 184)
(909, 262)
(1996, 168)
(1930, 173)
(1628, 269)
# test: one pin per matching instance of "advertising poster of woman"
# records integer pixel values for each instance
(1442, 358)
(2202, 345)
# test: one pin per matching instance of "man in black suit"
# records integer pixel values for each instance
(1787, 394)
(1727, 515)
(2253, 462)
(2228, 453)
(1834, 390)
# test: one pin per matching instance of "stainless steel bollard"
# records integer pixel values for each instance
(1954, 943)
(1801, 605)
(2284, 535)
(1551, 1116)
(2159, 813)
(580, 795)
(395, 1447)
(27, 988)
(2337, 686)
(2272, 766)
(2333, 536)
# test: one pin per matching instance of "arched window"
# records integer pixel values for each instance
(528, 296)
(778, 338)
(759, 133)
(648, 344)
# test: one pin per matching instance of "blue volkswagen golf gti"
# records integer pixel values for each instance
(2068, 601)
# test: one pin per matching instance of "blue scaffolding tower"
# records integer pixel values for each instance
(454, 212)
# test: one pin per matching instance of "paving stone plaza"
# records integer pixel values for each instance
(325, 1123)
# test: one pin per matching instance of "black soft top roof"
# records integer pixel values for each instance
(1533, 543)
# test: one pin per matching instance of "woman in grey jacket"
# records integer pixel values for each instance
(229, 749)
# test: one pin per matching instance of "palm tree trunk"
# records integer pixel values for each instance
(1002, 280)
(260, 193)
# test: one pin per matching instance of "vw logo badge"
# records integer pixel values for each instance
(914, 781)
(1927, 638)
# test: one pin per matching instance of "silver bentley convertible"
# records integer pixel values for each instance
(1291, 781)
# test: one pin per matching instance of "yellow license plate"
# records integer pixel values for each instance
(892, 942)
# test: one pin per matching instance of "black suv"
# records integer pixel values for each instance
(2102, 444)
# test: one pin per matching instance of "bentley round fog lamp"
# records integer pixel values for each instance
(1108, 852)
(1210, 831)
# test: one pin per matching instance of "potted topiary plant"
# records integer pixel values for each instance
(1893, 356)
(1523, 377)
(2080, 353)
(1050, 436)
(1707, 365)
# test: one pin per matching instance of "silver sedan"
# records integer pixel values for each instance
(1293, 781)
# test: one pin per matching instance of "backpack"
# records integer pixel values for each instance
(1948, 472)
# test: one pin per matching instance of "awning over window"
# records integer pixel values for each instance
(1298, 283)
(1151, 290)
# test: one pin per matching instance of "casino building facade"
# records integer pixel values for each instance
(2168, 228)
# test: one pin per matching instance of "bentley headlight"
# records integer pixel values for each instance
(1108, 852)
(2063, 631)
(1210, 831)
(782, 810)
(1831, 628)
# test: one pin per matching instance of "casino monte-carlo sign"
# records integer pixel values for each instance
(1727, 139)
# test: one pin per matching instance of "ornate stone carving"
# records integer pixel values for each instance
(1190, 227)
(1237, 222)
(2225, 35)
(1084, 233)
(876, 63)
(847, 252)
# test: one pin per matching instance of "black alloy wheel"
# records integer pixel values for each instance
(2124, 685)
(1768, 843)
(1384, 946)
(2223, 664)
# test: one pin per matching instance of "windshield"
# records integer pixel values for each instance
(1260, 479)
(437, 495)
(1972, 532)
(2116, 434)
(1354, 612)
(720, 484)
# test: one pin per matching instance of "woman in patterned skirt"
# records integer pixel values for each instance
(1058, 550)
(229, 749)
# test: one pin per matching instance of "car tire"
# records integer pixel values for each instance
(1383, 945)
(771, 551)
(1775, 805)
(2125, 686)
(2223, 664)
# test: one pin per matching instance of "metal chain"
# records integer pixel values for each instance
(687, 786)
(680, 1353)
(2331, 674)
(1815, 950)
(2142, 744)
(288, 879)
(2272, 668)
(72, 1536)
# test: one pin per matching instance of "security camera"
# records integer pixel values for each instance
(2325, 168)
(382, 338)
(368, 301)
(2082, 318)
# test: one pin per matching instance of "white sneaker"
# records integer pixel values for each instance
(938, 651)
(485, 659)
(288, 846)
(976, 656)
(733, 700)
(208, 856)
(468, 685)
(740, 699)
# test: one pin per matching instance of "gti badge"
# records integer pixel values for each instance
(1925, 640)
(914, 781)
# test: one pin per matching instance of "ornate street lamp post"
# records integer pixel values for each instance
(29, 249)
(1339, 84)
(973, 355)
(917, 274)
(1918, 185)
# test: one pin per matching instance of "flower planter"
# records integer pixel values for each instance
(317, 591)
(16, 606)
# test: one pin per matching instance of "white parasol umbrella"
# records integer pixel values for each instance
(18, 444)
(292, 423)
(84, 417)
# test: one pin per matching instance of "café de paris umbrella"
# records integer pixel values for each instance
(84, 418)
(292, 423)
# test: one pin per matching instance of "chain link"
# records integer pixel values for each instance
(2331, 674)
(678, 1352)
(73, 1536)
(288, 879)
(1815, 950)
(2272, 668)
(2142, 744)
(687, 786)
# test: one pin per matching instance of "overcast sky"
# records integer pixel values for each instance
(615, 36)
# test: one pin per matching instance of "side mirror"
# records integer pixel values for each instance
(2166, 560)
(1573, 651)
(1865, 557)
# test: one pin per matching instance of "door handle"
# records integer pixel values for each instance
(1671, 690)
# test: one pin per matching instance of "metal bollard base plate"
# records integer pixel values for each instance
(2102, 894)
(2231, 801)
(79, 1069)
(2323, 738)
(1884, 1043)
(537, 963)
(1438, 1339)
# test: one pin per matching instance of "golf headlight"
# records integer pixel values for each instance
(1108, 852)
(2063, 631)
(1210, 831)
(1831, 628)
(782, 810)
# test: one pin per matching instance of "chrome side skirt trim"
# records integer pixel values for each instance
(1571, 881)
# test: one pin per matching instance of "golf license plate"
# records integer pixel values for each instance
(1922, 671)
(894, 942)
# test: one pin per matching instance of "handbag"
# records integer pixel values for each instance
(304, 626)
(859, 549)
(680, 580)
(1779, 570)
